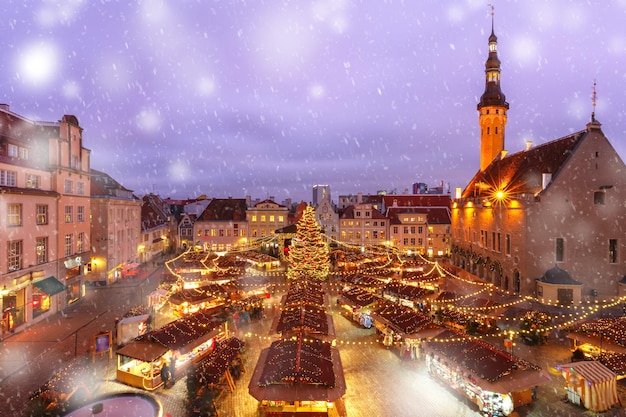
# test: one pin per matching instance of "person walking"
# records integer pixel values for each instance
(165, 374)
(173, 369)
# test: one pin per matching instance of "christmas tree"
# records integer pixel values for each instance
(309, 255)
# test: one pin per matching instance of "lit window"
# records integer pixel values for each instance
(42, 250)
(15, 249)
(68, 245)
(42, 214)
(15, 214)
(33, 181)
(69, 214)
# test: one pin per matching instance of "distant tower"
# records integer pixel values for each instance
(492, 107)
(320, 192)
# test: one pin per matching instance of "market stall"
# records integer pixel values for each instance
(492, 379)
(189, 340)
(131, 327)
(302, 375)
(358, 304)
(590, 384)
(190, 300)
(308, 319)
(216, 366)
(404, 329)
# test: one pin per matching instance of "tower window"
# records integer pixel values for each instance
(496, 130)
(488, 130)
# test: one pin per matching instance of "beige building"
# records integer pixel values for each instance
(222, 226)
(44, 223)
(265, 218)
(420, 223)
(363, 224)
(328, 219)
(115, 230)
(549, 220)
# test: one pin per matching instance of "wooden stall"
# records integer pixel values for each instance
(492, 379)
(304, 375)
(189, 340)
(590, 384)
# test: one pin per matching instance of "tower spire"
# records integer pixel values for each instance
(492, 107)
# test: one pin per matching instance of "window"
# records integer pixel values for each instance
(395, 229)
(33, 181)
(80, 214)
(507, 244)
(80, 242)
(560, 249)
(69, 214)
(262, 217)
(12, 150)
(68, 186)
(68, 245)
(254, 217)
(23, 153)
(358, 214)
(80, 188)
(15, 251)
(613, 251)
(281, 218)
(598, 197)
(42, 250)
(8, 178)
(42, 214)
(14, 211)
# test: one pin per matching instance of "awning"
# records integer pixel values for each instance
(50, 285)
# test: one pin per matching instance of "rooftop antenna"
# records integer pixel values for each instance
(594, 100)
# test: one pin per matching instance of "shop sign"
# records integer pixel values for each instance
(73, 263)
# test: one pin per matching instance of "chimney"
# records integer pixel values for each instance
(529, 144)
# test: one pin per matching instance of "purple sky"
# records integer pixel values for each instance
(268, 98)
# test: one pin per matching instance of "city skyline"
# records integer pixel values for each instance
(271, 99)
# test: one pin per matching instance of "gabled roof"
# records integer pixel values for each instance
(434, 215)
(522, 172)
(268, 201)
(225, 209)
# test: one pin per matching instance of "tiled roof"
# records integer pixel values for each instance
(557, 275)
(434, 215)
(522, 172)
(225, 209)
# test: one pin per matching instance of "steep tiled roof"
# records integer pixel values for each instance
(522, 172)
(225, 209)
(434, 215)
(102, 184)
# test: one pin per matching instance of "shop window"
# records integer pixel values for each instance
(41, 302)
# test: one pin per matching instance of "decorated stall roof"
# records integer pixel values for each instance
(304, 295)
(609, 329)
(215, 365)
(197, 295)
(359, 297)
(404, 319)
(407, 292)
(299, 361)
(305, 318)
(481, 358)
(179, 334)
(362, 280)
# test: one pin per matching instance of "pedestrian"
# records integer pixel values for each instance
(173, 369)
(165, 374)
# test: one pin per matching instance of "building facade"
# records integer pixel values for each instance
(222, 226)
(547, 221)
(115, 229)
(363, 224)
(44, 217)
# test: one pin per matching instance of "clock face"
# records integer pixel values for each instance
(324, 209)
